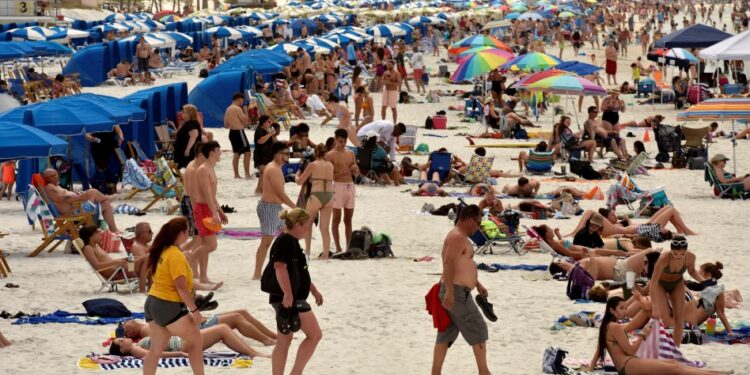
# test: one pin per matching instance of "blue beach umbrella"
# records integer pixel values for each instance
(31, 33)
(120, 111)
(59, 119)
(23, 141)
(512, 16)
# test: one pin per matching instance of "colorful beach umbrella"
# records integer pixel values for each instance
(477, 41)
(497, 24)
(512, 16)
(560, 82)
(479, 63)
(535, 61)
(566, 14)
(680, 56)
(531, 16)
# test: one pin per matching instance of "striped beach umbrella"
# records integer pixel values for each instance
(385, 31)
(535, 61)
(249, 29)
(170, 18)
(560, 82)
(421, 20)
(229, 33)
(479, 63)
(31, 33)
(64, 35)
(476, 41)
(117, 17)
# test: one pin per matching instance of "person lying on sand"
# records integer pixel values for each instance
(175, 347)
(654, 229)
(529, 188)
(240, 320)
(608, 268)
(429, 188)
(566, 248)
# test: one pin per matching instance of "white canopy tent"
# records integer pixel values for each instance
(733, 48)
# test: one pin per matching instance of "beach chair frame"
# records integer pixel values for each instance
(540, 163)
(485, 245)
(479, 169)
(722, 190)
(65, 228)
(111, 282)
(4, 267)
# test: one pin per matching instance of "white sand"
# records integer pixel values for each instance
(373, 318)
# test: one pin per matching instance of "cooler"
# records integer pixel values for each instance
(439, 122)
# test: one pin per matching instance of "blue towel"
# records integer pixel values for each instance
(78, 318)
(522, 267)
(435, 135)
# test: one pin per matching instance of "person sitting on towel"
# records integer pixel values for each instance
(92, 199)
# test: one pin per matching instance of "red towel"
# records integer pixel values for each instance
(440, 318)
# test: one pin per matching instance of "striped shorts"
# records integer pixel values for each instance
(268, 213)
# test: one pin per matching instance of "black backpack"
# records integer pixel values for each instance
(359, 245)
(428, 122)
(381, 249)
(584, 170)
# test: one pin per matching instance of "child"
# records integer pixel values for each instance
(636, 73)
(9, 178)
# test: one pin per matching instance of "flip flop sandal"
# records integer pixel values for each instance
(486, 308)
(283, 321)
(202, 301)
(294, 321)
(213, 305)
(484, 267)
(11, 285)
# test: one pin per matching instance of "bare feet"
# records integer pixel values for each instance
(218, 285)
(269, 342)
(237, 177)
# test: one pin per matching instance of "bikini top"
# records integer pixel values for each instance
(668, 270)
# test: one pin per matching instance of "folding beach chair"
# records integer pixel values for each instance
(721, 190)
(278, 114)
(483, 244)
(163, 186)
(164, 141)
(55, 227)
(442, 163)
(632, 166)
(479, 169)
(135, 149)
(628, 193)
(540, 163)
(4, 267)
(473, 108)
(695, 143)
(367, 163)
(118, 277)
(732, 89)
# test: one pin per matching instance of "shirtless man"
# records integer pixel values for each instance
(391, 82)
(106, 266)
(142, 52)
(305, 59)
(206, 206)
(122, 71)
(606, 132)
(524, 189)
(344, 166)
(236, 119)
(270, 202)
(63, 200)
(458, 280)
(190, 186)
(363, 104)
(143, 236)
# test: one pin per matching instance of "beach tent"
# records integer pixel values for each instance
(23, 141)
(734, 48)
(120, 111)
(213, 95)
(694, 36)
(173, 97)
(91, 63)
(143, 131)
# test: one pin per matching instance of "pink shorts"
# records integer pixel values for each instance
(343, 195)
(200, 212)
(390, 98)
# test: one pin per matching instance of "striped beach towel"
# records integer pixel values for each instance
(106, 363)
(660, 345)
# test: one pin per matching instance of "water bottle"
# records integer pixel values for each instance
(711, 326)
(120, 330)
(131, 262)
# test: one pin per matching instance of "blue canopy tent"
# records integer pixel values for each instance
(173, 97)
(120, 111)
(92, 63)
(214, 94)
(23, 142)
(694, 36)
(156, 114)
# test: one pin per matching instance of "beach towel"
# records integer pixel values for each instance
(578, 364)
(134, 176)
(241, 233)
(740, 328)
(36, 208)
(457, 194)
(78, 318)
(440, 318)
(435, 135)
(519, 267)
(506, 145)
(660, 345)
(127, 209)
(110, 362)
(580, 319)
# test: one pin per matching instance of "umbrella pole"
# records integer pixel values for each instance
(734, 149)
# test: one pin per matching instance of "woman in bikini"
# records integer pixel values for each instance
(667, 283)
(655, 229)
(363, 104)
(319, 177)
(342, 113)
(613, 339)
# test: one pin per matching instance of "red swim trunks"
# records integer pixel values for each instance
(200, 212)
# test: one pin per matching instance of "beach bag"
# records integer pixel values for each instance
(359, 245)
(552, 361)
(381, 249)
(678, 160)
(428, 122)
(520, 133)
(106, 308)
(268, 281)
(696, 163)
(584, 170)
(403, 97)
(110, 242)
(579, 284)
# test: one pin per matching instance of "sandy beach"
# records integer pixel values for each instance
(374, 319)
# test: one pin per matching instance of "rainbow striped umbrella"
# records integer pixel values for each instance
(560, 82)
(480, 63)
(476, 41)
(532, 61)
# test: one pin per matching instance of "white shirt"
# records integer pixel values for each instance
(384, 128)
(417, 60)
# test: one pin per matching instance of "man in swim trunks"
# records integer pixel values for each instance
(143, 236)
(524, 189)
(205, 206)
(236, 119)
(458, 280)
(344, 166)
(92, 200)
(270, 203)
(391, 83)
(190, 186)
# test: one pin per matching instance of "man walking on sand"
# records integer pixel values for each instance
(190, 186)
(270, 202)
(206, 206)
(458, 280)
(236, 119)
(391, 82)
(344, 166)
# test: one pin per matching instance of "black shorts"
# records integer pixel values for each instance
(163, 312)
(142, 65)
(240, 145)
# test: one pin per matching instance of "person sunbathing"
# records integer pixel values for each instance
(718, 162)
(123, 72)
(240, 320)
(565, 248)
(613, 339)
(609, 268)
(491, 203)
(525, 188)
(654, 229)
(104, 264)
(92, 200)
(429, 188)
(143, 236)
(175, 347)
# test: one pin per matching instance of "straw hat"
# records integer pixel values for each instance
(718, 157)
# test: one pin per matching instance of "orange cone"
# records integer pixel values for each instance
(646, 137)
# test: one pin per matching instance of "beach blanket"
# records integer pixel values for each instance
(506, 145)
(519, 267)
(741, 330)
(133, 175)
(127, 209)
(457, 194)
(110, 362)
(577, 364)
(660, 345)
(580, 319)
(78, 318)
(241, 233)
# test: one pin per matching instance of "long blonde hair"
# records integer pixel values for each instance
(191, 111)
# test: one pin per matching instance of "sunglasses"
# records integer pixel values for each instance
(679, 244)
